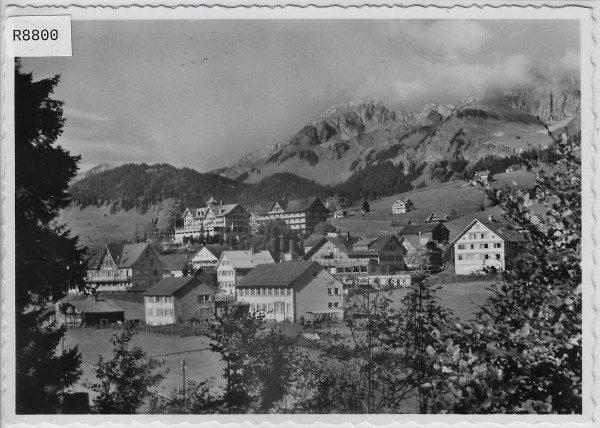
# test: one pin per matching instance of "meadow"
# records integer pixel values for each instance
(463, 299)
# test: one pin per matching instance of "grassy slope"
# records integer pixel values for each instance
(93, 228)
(438, 198)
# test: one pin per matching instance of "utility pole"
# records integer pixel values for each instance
(183, 371)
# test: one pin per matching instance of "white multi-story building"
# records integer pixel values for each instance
(215, 219)
(233, 265)
(302, 215)
(290, 291)
(402, 206)
(484, 244)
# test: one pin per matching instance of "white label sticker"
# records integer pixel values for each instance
(39, 36)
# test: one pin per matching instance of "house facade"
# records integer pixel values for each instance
(208, 255)
(181, 299)
(484, 244)
(215, 219)
(302, 215)
(125, 268)
(234, 265)
(481, 178)
(402, 206)
(288, 291)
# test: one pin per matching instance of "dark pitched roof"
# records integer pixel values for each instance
(175, 261)
(500, 229)
(115, 249)
(274, 274)
(299, 205)
(374, 245)
(169, 286)
(90, 305)
(313, 240)
(131, 253)
(415, 229)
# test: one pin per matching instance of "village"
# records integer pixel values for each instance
(189, 281)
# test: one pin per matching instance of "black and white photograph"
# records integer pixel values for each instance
(321, 215)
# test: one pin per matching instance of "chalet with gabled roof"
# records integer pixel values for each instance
(485, 244)
(402, 206)
(302, 215)
(215, 219)
(125, 268)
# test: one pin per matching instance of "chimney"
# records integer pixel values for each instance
(490, 217)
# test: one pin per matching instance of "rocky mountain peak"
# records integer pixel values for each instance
(369, 110)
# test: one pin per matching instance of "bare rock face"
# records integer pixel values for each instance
(434, 114)
(551, 101)
(370, 110)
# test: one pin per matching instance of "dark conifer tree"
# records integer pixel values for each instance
(48, 259)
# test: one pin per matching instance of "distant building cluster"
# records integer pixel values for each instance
(196, 284)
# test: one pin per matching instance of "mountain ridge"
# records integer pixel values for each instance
(361, 133)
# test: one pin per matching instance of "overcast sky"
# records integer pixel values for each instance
(204, 93)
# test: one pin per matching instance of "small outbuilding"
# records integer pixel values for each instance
(78, 311)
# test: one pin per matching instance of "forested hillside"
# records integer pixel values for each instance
(142, 186)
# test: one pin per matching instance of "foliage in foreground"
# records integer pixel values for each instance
(124, 382)
(523, 353)
(48, 259)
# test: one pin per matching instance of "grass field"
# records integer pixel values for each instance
(205, 364)
(95, 225)
(463, 299)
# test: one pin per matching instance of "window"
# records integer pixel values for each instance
(461, 246)
(152, 263)
(146, 272)
(330, 305)
(253, 291)
(487, 256)
(483, 245)
(472, 246)
(335, 291)
(497, 244)
(155, 272)
(460, 257)
(472, 236)
(329, 291)
(498, 256)
(203, 298)
(204, 312)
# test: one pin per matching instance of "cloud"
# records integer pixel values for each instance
(74, 113)
(444, 38)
